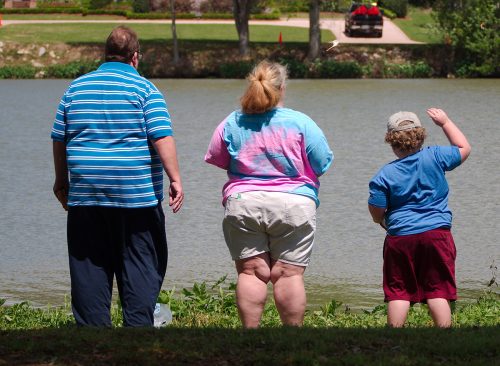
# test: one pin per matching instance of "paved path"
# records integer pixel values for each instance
(391, 33)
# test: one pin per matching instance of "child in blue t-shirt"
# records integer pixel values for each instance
(409, 198)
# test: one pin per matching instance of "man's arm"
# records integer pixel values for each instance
(61, 184)
(165, 147)
(452, 132)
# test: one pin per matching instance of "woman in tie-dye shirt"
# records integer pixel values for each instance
(273, 157)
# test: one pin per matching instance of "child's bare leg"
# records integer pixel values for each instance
(397, 312)
(440, 312)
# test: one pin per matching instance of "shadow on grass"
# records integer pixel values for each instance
(265, 346)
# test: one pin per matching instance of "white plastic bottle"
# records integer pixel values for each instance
(162, 315)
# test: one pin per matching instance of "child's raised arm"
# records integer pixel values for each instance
(452, 132)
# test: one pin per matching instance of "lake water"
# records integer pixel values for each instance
(347, 259)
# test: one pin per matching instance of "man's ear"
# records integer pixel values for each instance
(135, 60)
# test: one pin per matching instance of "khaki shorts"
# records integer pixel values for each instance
(282, 224)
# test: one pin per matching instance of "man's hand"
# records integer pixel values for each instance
(439, 116)
(176, 196)
(61, 190)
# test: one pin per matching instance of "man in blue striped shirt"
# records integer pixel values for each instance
(112, 138)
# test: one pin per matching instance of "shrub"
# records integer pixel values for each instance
(296, 69)
(17, 72)
(216, 6)
(140, 6)
(217, 16)
(471, 27)
(275, 15)
(71, 70)
(99, 4)
(388, 13)
(235, 70)
(400, 7)
(57, 4)
(122, 13)
(159, 15)
(181, 6)
(339, 70)
(417, 70)
(43, 11)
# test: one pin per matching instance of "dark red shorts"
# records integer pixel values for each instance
(421, 266)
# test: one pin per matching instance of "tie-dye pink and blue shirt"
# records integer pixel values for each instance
(281, 150)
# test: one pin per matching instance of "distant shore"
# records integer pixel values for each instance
(214, 59)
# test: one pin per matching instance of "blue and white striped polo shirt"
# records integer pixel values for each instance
(107, 118)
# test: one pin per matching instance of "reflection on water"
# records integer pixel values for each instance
(347, 259)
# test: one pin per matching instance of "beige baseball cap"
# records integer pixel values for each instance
(403, 121)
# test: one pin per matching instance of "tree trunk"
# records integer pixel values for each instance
(314, 30)
(241, 11)
(174, 33)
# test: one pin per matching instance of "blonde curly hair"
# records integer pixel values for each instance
(408, 140)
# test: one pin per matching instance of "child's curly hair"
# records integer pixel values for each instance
(407, 140)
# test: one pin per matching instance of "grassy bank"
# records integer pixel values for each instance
(265, 346)
(206, 331)
(214, 305)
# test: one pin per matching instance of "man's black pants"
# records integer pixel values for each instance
(129, 243)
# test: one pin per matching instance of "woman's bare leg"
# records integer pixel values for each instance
(251, 291)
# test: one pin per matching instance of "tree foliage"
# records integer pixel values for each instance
(472, 28)
(400, 7)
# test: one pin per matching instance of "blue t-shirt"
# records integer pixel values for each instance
(415, 191)
(107, 118)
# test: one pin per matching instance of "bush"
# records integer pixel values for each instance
(217, 16)
(275, 15)
(57, 4)
(17, 72)
(471, 27)
(296, 69)
(71, 70)
(159, 16)
(417, 70)
(99, 4)
(339, 70)
(140, 6)
(388, 13)
(422, 3)
(117, 12)
(217, 6)
(235, 70)
(400, 7)
(43, 11)
(181, 6)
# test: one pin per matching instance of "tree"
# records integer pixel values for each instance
(174, 33)
(314, 30)
(241, 11)
(471, 28)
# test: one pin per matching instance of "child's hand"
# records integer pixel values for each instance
(438, 116)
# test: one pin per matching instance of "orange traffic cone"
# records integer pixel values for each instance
(280, 39)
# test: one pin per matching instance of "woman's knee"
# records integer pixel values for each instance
(258, 266)
(282, 270)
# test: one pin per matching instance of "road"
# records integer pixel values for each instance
(392, 34)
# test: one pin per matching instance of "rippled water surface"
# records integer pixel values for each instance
(347, 259)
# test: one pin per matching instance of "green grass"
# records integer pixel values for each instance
(98, 32)
(419, 25)
(266, 346)
(206, 331)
